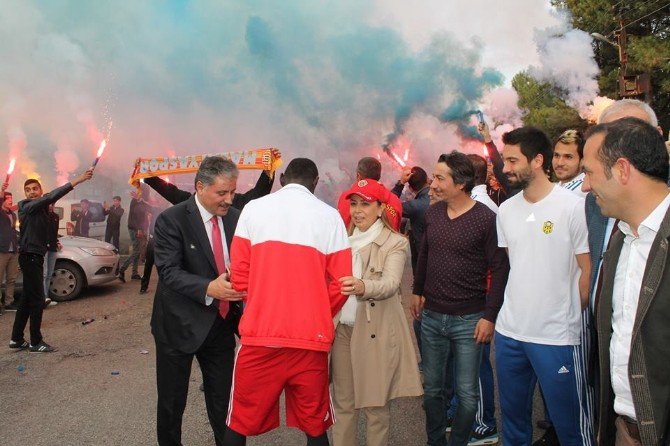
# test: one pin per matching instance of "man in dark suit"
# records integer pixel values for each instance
(82, 219)
(114, 214)
(195, 309)
(626, 166)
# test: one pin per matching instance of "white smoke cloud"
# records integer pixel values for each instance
(326, 81)
(567, 61)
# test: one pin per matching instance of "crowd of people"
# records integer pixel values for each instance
(554, 251)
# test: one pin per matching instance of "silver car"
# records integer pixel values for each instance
(81, 263)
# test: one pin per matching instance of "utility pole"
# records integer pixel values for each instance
(634, 86)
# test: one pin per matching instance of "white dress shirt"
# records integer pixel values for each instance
(206, 218)
(625, 295)
(478, 193)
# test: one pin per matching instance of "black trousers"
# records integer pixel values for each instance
(148, 264)
(216, 357)
(31, 303)
(112, 236)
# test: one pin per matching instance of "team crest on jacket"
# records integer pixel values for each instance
(362, 183)
(547, 227)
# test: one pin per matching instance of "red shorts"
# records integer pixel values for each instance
(260, 376)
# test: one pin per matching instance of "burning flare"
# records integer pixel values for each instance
(103, 144)
(12, 163)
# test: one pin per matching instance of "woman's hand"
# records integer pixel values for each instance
(352, 286)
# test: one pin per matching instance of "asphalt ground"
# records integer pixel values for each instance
(99, 388)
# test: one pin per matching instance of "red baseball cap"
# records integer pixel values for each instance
(369, 190)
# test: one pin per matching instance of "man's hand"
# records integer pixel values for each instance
(83, 177)
(221, 289)
(484, 331)
(405, 175)
(484, 131)
(105, 205)
(416, 306)
(59, 245)
(5, 185)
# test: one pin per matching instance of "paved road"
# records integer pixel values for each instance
(72, 397)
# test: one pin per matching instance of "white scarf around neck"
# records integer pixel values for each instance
(358, 240)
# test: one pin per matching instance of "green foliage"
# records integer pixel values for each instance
(544, 107)
(647, 24)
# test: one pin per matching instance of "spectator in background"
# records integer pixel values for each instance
(479, 192)
(509, 188)
(114, 214)
(414, 209)
(567, 161)
(370, 168)
(82, 219)
(9, 250)
(53, 246)
(137, 228)
(493, 188)
(149, 258)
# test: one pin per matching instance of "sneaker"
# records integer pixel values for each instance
(121, 276)
(19, 345)
(488, 437)
(47, 301)
(450, 422)
(42, 347)
(136, 277)
(12, 307)
(548, 439)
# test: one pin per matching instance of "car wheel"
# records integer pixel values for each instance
(66, 282)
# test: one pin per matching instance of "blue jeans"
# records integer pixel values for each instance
(49, 266)
(485, 420)
(442, 333)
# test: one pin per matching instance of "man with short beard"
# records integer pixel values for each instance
(538, 328)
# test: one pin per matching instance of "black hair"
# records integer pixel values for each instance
(462, 171)
(301, 171)
(638, 142)
(418, 180)
(532, 142)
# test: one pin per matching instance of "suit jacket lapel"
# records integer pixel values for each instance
(653, 272)
(198, 227)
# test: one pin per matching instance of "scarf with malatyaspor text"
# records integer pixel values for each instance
(359, 240)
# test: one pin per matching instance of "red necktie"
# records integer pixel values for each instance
(217, 247)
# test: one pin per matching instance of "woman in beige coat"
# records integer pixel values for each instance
(373, 359)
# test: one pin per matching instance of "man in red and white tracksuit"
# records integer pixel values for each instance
(288, 252)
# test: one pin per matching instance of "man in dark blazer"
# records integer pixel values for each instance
(626, 166)
(195, 309)
(82, 219)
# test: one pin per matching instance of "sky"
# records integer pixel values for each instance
(329, 80)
